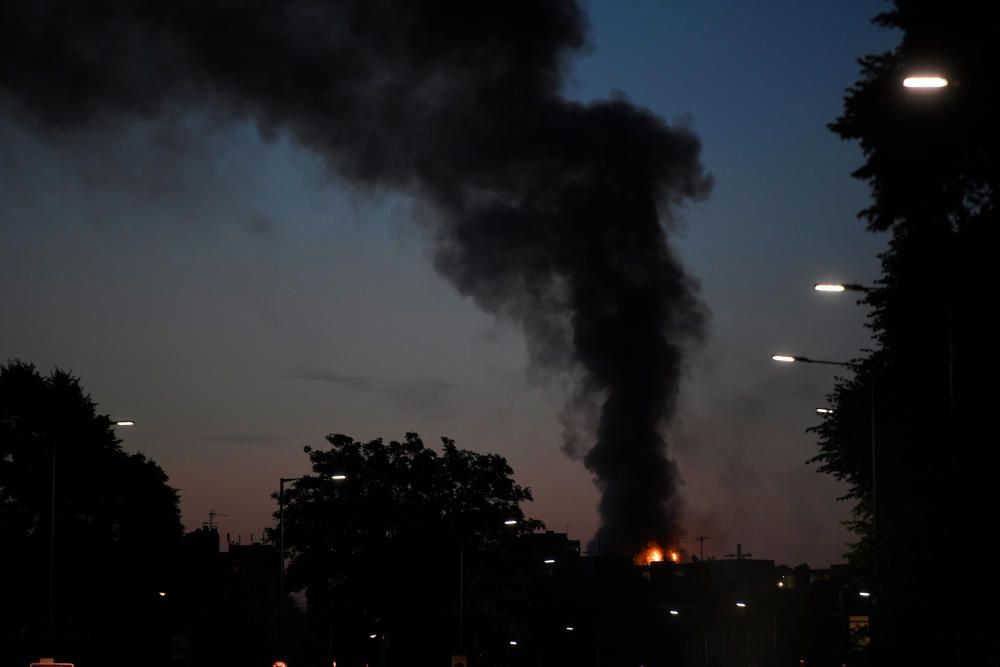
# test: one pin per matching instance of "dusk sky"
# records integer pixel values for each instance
(236, 300)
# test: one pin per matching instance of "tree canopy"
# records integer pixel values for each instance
(385, 550)
(117, 521)
(927, 493)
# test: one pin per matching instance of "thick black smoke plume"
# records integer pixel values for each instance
(550, 213)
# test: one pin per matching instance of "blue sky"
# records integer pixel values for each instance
(238, 303)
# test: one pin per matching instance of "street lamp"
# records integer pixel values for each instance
(788, 359)
(461, 582)
(824, 411)
(52, 530)
(337, 477)
(841, 287)
(785, 358)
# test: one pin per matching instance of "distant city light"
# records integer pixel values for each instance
(513, 642)
(569, 628)
(783, 358)
(674, 612)
(549, 561)
(162, 594)
(372, 636)
(925, 82)
(741, 605)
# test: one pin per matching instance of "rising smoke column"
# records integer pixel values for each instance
(549, 213)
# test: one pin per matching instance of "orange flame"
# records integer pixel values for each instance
(651, 554)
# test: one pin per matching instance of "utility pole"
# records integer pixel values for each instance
(701, 546)
(281, 554)
(739, 555)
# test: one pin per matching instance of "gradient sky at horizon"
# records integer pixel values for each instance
(238, 302)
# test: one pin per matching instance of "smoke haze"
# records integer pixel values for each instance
(549, 213)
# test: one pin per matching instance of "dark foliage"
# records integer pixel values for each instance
(379, 553)
(117, 525)
(932, 160)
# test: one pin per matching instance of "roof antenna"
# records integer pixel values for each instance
(211, 518)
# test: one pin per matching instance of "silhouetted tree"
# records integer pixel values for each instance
(932, 160)
(379, 552)
(117, 525)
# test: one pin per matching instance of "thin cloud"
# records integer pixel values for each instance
(419, 392)
(249, 439)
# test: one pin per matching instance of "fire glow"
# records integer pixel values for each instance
(654, 554)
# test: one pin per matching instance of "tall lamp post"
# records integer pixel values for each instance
(52, 531)
(789, 359)
(337, 477)
(510, 523)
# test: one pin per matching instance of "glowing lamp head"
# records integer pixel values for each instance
(549, 561)
(125, 422)
(865, 594)
(510, 522)
(824, 411)
(674, 612)
(741, 605)
(925, 82)
(829, 287)
(783, 358)
(339, 477)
